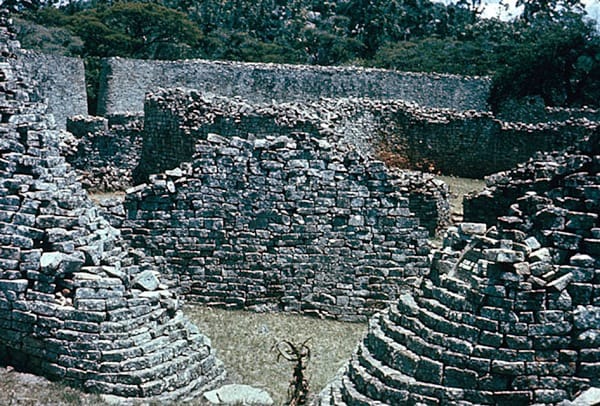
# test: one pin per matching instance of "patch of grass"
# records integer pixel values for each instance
(18, 388)
(458, 188)
(244, 342)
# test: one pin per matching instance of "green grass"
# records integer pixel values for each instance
(458, 188)
(244, 342)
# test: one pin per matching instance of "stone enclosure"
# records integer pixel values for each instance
(286, 218)
(125, 81)
(283, 199)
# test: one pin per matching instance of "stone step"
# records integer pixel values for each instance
(420, 384)
(352, 397)
(418, 344)
(376, 389)
(417, 385)
(370, 387)
(331, 395)
(390, 352)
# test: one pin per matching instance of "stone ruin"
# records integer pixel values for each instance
(272, 206)
(105, 150)
(124, 83)
(509, 314)
(278, 214)
(77, 304)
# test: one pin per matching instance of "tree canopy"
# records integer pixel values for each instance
(550, 50)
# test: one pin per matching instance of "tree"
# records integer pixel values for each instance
(549, 8)
(557, 57)
(22, 5)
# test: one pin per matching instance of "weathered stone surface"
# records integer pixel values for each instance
(67, 308)
(125, 81)
(238, 395)
(263, 216)
(509, 316)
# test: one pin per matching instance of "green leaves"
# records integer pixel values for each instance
(550, 51)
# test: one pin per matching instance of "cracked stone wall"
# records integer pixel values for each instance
(77, 304)
(284, 219)
(509, 314)
(125, 81)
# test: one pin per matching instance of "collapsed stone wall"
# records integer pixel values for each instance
(176, 119)
(472, 144)
(508, 315)
(105, 151)
(125, 81)
(291, 220)
(77, 304)
(539, 174)
(58, 81)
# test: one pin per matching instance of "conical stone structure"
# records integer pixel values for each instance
(508, 315)
(76, 304)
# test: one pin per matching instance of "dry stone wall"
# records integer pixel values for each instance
(125, 81)
(508, 314)
(472, 144)
(176, 119)
(105, 151)
(58, 81)
(77, 304)
(540, 175)
(290, 220)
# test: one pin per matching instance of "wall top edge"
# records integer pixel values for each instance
(298, 67)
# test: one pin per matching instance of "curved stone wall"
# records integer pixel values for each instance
(76, 303)
(539, 174)
(508, 314)
(176, 119)
(288, 219)
(124, 82)
(472, 144)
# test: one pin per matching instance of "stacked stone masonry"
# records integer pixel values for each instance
(471, 144)
(124, 83)
(105, 151)
(57, 81)
(77, 304)
(508, 315)
(176, 119)
(539, 174)
(284, 219)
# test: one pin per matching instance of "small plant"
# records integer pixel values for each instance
(300, 355)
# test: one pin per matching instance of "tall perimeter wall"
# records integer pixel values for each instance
(124, 82)
(58, 81)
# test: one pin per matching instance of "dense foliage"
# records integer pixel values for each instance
(551, 50)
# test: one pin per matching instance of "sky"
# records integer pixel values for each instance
(493, 9)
